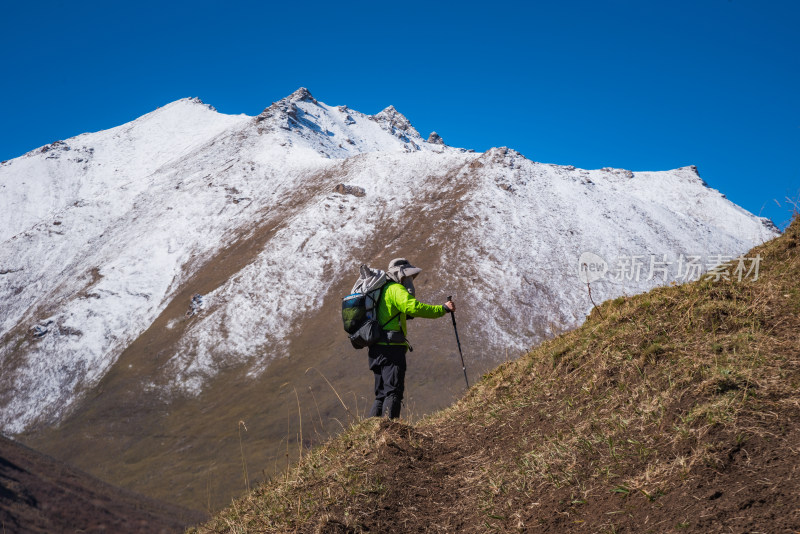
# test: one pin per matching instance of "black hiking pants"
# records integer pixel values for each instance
(388, 363)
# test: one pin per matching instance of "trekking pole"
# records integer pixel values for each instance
(455, 329)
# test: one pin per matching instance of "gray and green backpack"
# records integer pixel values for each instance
(360, 308)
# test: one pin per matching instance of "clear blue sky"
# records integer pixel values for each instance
(638, 85)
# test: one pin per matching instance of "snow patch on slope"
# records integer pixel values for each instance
(535, 220)
(110, 166)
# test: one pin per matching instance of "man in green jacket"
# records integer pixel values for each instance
(387, 358)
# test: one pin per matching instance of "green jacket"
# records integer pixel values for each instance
(396, 298)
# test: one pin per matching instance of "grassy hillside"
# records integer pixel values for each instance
(39, 494)
(676, 410)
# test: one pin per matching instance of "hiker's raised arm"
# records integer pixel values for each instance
(409, 305)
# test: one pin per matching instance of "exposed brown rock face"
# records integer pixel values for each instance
(354, 190)
(435, 138)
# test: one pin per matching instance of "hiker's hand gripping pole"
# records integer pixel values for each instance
(455, 329)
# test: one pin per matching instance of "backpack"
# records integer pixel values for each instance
(360, 309)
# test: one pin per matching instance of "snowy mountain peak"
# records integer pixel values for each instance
(301, 95)
(189, 104)
(196, 100)
(395, 123)
(692, 168)
(504, 156)
(435, 139)
(338, 131)
(692, 174)
(285, 113)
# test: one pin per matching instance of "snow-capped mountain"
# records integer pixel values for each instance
(158, 259)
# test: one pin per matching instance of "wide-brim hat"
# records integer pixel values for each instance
(401, 268)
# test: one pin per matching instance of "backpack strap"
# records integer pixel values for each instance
(395, 316)
(385, 333)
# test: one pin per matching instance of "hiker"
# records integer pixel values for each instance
(387, 358)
